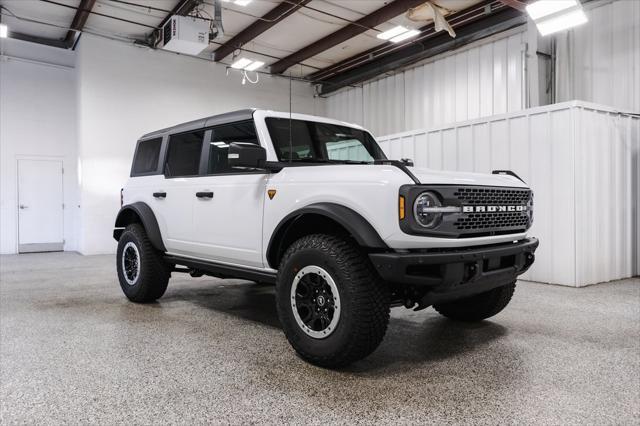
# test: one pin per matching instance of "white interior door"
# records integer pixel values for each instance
(40, 206)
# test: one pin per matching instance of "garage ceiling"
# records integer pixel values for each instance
(302, 37)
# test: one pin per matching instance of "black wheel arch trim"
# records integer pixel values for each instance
(148, 219)
(361, 230)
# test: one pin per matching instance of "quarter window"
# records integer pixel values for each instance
(183, 154)
(221, 137)
(146, 157)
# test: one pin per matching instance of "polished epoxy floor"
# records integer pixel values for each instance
(73, 350)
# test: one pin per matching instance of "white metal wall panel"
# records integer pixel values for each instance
(582, 162)
(600, 61)
(481, 80)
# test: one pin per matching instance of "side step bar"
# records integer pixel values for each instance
(221, 271)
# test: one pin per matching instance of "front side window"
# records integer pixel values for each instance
(183, 154)
(146, 157)
(221, 137)
(300, 140)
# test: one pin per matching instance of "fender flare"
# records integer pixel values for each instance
(361, 230)
(147, 218)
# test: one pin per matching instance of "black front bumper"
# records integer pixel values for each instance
(457, 273)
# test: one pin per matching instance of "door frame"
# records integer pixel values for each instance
(20, 157)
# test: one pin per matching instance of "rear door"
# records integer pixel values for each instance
(174, 194)
(228, 224)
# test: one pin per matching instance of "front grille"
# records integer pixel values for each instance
(489, 222)
(483, 221)
(473, 196)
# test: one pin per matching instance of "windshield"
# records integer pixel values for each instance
(312, 141)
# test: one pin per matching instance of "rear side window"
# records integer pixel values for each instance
(146, 157)
(221, 137)
(183, 154)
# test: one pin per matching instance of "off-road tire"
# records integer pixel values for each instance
(364, 297)
(153, 276)
(478, 307)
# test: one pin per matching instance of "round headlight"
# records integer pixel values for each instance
(425, 218)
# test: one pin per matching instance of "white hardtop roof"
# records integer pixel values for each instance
(243, 114)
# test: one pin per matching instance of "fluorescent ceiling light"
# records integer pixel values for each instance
(254, 65)
(4, 31)
(241, 63)
(242, 2)
(395, 31)
(542, 8)
(404, 36)
(247, 64)
(562, 22)
(551, 16)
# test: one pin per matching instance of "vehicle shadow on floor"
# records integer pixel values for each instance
(412, 337)
(247, 300)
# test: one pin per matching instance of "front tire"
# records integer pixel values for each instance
(142, 273)
(333, 307)
(478, 307)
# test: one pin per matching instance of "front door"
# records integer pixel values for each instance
(228, 221)
(40, 206)
(228, 225)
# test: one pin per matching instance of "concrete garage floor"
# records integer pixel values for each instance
(74, 350)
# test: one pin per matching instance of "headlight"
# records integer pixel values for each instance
(427, 200)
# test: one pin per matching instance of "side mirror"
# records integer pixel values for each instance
(244, 154)
(407, 162)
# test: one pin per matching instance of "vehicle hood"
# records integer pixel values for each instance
(430, 176)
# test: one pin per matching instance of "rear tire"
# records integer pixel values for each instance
(332, 276)
(479, 307)
(143, 274)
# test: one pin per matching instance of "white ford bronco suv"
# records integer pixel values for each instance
(314, 206)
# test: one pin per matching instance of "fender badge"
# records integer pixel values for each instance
(271, 193)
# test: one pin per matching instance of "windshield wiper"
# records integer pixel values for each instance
(323, 160)
(349, 162)
(306, 160)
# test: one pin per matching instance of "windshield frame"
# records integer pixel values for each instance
(366, 139)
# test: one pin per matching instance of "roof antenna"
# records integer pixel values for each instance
(290, 121)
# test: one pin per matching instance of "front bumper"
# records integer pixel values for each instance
(457, 273)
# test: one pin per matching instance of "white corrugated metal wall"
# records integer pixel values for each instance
(597, 62)
(480, 80)
(600, 61)
(581, 161)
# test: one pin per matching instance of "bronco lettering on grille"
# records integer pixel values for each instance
(493, 209)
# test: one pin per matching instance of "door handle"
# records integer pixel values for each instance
(160, 194)
(204, 194)
(22, 207)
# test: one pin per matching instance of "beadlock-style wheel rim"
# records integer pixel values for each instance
(315, 302)
(130, 263)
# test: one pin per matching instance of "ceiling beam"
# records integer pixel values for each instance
(476, 11)
(516, 4)
(77, 25)
(498, 21)
(351, 30)
(271, 18)
(184, 7)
